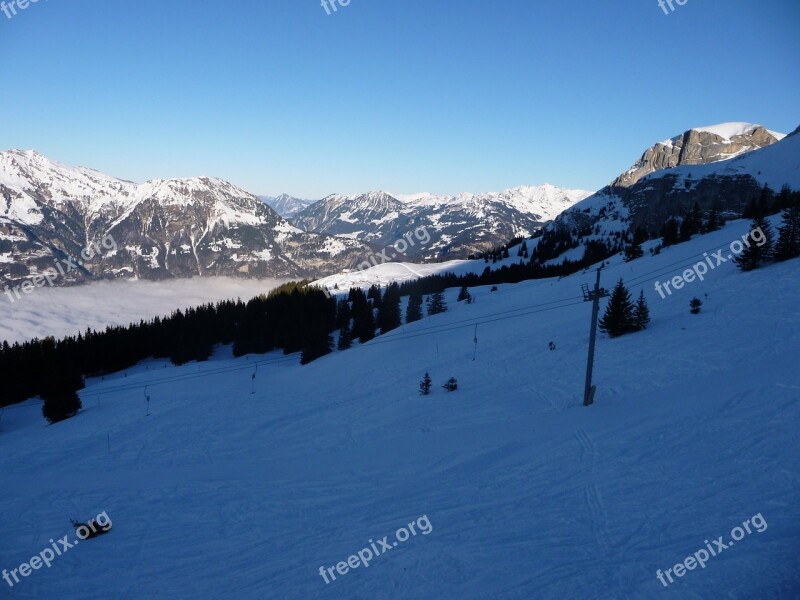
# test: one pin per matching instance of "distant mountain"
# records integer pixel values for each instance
(162, 228)
(458, 225)
(285, 205)
(730, 185)
(700, 146)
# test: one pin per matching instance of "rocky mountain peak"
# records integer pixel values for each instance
(699, 146)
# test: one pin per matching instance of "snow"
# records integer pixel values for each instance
(728, 130)
(70, 310)
(546, 200)
(220, 493)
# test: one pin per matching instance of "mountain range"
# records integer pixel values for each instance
(161, 229)
(204, 226)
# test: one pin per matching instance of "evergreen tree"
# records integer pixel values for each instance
(715, 221)
(789, 235)
(633, 251)
(641, 313)
(694, 306)
(784, 200)
(59, 408)
(692, 223)
(425, 385)
(436, 304)
(343, 315)
(389, 311)
(451, 385)
(751, 210)
(669, 232)
(753, 255)
(618, 318)
(315, 347)
(59, 392)
(374, 294)
(414, 308)
(464, 294)
(363, 318)
(345, 338)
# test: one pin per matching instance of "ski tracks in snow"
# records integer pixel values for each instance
(587, 455)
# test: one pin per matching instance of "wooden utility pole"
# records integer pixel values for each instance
(592, 296)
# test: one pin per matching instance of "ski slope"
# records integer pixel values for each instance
(221, 493)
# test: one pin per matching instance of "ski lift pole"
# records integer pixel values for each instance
(593, 296)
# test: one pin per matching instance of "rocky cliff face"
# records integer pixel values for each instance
(699, 147)
(160, 229)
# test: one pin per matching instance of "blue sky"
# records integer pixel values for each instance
(402, 95)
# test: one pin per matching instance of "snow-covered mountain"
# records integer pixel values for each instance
(698, 146)
(728, 185)
(458, 225)
(285, 205)
(162, 228)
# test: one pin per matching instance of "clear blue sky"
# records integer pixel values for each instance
(403, 95)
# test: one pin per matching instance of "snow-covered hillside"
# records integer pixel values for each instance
(224, 493)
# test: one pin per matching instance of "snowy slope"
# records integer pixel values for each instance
(221, 494)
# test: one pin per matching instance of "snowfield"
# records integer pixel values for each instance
(221, 493)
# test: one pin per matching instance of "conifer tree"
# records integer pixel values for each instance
(451, 385)
(436, 304)
(363, 319)
(425, 385)
(754, 254)
(692, 223)
(669, 232)
(694, 306)
(789, 235)
(414, 308)
(345, 338)
(618, 318)
(59, 392)
(389, 311)
(641, 313)
(464, 294)
(342, 314)
(714, 222)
